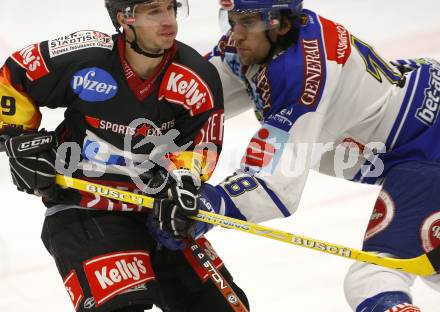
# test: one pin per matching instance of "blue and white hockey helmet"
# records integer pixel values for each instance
(260, 5)
(268, 9)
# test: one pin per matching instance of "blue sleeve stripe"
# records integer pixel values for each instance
(230, 209)
(275, 199)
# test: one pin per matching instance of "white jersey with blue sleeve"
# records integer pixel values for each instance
(328, 98)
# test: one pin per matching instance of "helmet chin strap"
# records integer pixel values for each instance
(136, 48)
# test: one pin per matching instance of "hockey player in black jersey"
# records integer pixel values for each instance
(140, 109)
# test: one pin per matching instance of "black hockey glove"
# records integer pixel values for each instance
(171, 214)
(32, 163)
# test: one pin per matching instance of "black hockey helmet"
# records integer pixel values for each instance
(128, 8)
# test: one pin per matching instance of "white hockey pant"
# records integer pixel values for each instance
(364, 281)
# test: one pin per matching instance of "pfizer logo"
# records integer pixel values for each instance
(430, 232)
(382, 215)
(94, 85)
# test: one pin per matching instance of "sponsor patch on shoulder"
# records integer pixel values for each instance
(337, 41)
(94, 84)
(78, 41)
(31, 59)
(183, 86)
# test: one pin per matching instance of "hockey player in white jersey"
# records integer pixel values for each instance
(327, 101)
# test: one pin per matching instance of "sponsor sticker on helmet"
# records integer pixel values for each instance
(31, 59)
(183, 86)
(112, 274)
(94, 85)
(227, 5)
(78, 41)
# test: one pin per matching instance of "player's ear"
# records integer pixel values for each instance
(285, 26)
(121, 21)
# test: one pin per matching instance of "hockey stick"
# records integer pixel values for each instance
(216, 277)
(424, 265)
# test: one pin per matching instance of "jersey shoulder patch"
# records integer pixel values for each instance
(40, 59)
(337, 41)
(31, 59)
(80, 40)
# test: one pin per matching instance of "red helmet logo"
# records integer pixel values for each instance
(227, 5)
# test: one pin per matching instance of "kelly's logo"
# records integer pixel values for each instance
(31, 59)
(183, 86)
(112, 274)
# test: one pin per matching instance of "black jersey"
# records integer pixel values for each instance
(114, 119)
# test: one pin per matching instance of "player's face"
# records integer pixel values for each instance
(155, 24)
(248, 32)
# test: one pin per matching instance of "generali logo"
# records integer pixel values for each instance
(263, 88)
(183, 86)
(313, 71)
(31, 59)
(112, 274)
(430, 232)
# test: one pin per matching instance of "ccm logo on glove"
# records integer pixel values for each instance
(35, 143)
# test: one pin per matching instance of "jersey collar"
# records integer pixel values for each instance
(143, 88)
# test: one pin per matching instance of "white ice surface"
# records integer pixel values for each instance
(275, 276)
